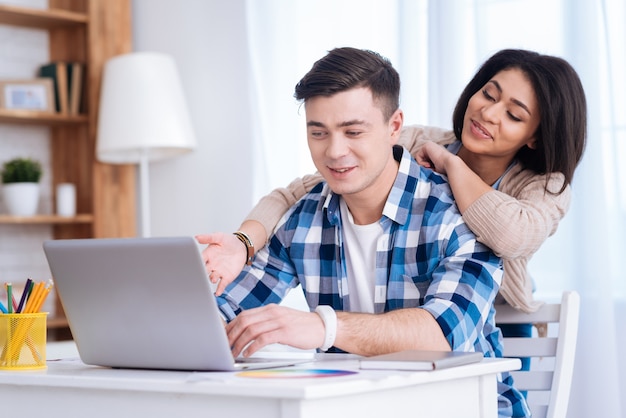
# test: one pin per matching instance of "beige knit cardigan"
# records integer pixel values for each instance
(513, 221)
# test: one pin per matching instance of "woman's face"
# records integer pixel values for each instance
(502, 117)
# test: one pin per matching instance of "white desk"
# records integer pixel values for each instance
(70, 388)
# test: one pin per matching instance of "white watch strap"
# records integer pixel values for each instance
(329, 317)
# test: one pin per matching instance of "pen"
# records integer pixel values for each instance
(29, 283)
(2, 308)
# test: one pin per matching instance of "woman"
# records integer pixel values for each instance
(519, 133)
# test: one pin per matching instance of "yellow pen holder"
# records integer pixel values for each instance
(23, 341)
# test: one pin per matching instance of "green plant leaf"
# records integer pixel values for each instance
(21, 170)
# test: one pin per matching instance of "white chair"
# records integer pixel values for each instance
(548, 382)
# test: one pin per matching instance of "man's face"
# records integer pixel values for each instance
(351, 143)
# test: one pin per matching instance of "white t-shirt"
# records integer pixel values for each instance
(360, 250)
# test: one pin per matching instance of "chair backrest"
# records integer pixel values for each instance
(548, 382)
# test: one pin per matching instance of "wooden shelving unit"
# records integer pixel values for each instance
(91, 32)
(29, 117)
(84, 218)
(42, 19)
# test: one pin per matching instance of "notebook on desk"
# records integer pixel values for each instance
(144, 303)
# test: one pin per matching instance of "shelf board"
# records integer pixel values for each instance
(40, 18)
(46, 219)
(31, 117)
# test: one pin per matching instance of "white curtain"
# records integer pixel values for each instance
(436, 46)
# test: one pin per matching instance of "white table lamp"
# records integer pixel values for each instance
(143, 116)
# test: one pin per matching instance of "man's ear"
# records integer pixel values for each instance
(396, 122)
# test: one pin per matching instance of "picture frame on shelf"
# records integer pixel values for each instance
(35, 94)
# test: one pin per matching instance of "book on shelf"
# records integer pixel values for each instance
(57, 71)
(75, 86)
(68, 83)
(420, 360)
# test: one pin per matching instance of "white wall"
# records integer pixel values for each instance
(22, 52)
(209, 189)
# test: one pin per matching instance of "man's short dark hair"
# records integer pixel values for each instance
(347, 68)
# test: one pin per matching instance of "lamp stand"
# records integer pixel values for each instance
(145, 194)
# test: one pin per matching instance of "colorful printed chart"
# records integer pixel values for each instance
(294, 373)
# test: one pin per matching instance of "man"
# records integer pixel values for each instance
(380, 249)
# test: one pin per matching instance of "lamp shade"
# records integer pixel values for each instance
(143, 113)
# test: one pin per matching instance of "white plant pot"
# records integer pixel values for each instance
(21, 199)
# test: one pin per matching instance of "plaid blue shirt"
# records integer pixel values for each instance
(427, 258)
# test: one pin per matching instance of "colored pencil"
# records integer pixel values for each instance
(9, 289)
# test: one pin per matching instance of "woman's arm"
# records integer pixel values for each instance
(517, 219)
(466, 185)
(514, 220)
(268, 211)
(413, 137)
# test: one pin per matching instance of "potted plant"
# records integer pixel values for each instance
(20, 186)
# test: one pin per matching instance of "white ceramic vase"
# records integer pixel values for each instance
(66, 199)
(21, 199)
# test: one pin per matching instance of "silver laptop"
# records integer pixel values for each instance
(144, 303)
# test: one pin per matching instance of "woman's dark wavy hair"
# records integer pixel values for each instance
(562, 131)
(346, 68)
